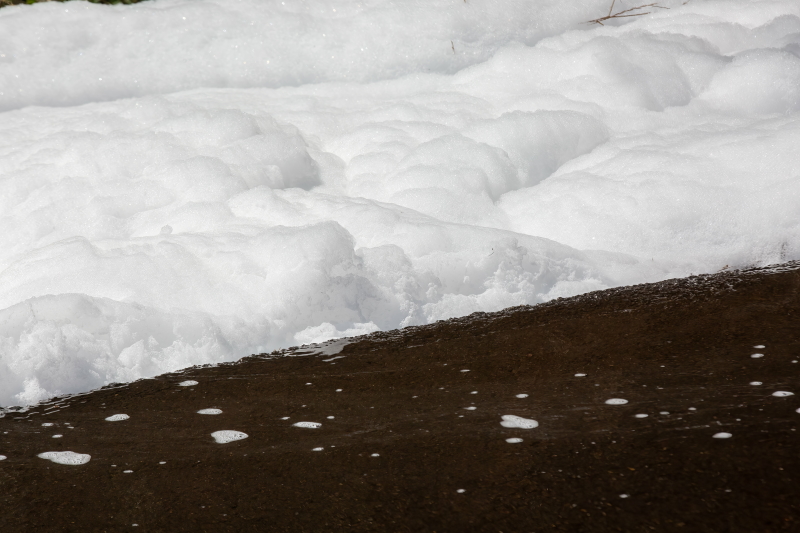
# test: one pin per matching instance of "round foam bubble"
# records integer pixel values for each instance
(187, 383)
(641, 415)
(757, 355)
(513, 421)
(210, 411)
(722, 435)
(522, 396)
(616, 401)
(309, 425)
(227, 435)
(514, 440)
(782, 393)
(117, 418)
(66, 458)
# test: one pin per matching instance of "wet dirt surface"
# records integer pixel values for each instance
(429, 401)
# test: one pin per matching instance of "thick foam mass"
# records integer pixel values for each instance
(66, 458)
(513, 421)
(224, 178)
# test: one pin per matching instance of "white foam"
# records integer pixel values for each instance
(210, 411)
(722, 435)
(692, 409)
(461, 491)
(295, 175)
(521, 396)
(513, 421)
(330, 418)
(375, 455)
(338, 390)
(117, 418)
(797, 410)
(471, 408)
(3, 457)
(47, 424)
(641, 415)
(514, 440)
(285, 418)
(580, 375)
(465, 370)
(127, 471)
(162, 462)
(57, 436)
(616, 401)
(227, 435)
(624, 495)
(663, 412)
(188, 383)
(755, 383)
(782, 393)
(66, 458)
(474, 392)
(309, 425)
(317, 449)
(757, 355)
(759, 346)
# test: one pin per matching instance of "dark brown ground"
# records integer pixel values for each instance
(664, 347)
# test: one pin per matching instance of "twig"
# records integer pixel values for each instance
(622, 14)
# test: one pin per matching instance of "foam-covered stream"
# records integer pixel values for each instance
(188, 182)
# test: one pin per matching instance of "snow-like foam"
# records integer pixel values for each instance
(470, 408)
(756, 383)
(513, 440)
(513, 421)
(187, 383)
(57, 436)
(522, 395)
(309, 425)
(616, 401)
(117, 418)
(782, 393)
(246, 176)
(210, 411)
(3, 457)
(757, 355)
(66, 458)
(225, 436)
(641, 415)
(722, 435)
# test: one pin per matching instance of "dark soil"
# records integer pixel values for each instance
(665, 347)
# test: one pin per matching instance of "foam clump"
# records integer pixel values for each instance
(782, 393)
(522, 395)
(309, 425)
(117, 418)
(514, 440)
(722, 435)
(617, 401)
(513, 421)
(227, 435)
(187, 383)
(210, 411)
(66, 458)
(252, 193)
(3, 457)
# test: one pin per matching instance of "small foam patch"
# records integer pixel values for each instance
(616, 401)
(309, 425)
(514, 440)
(757, 355)
(317, 449)
(782, 393)
(513, 421)
(57, 436)
(117, 418)
(722, 435)
(465, 370)
(522, 395)
(375, 455)
(187, 383)
(580, 375)
(470, 408)
(461, 491)
(755, 383)
(209, 411)
(227, 435)
(3, 457)
(47, 424)
(66, 458)
(641, 415)
(127, 471)
(759, 346)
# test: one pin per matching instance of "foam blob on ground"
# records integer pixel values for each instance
(317, 449)
(641, 415)
(782, 393)
(757, 355)
(227, 435)
(57, 436)
(756, 383)
(66, 458)
(203, 191)
(308, 425)
(722, 435)
(513, 421)
(471, 408)
(514, 440)
(759, 346)
(3, 457)
(117, 418)
(580, 375)
(187, 383)
(521, 396)
(210, 411)
(616, 401)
